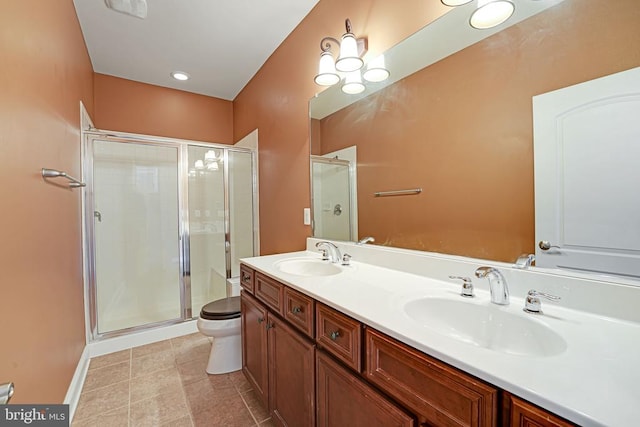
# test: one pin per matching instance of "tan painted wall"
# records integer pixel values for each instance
(467, 122)
(45, 73)
(276, 102)
(128, 106)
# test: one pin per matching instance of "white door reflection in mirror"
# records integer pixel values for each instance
(587, 175)
(333, 178)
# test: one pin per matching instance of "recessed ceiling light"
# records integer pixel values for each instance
(180, 75)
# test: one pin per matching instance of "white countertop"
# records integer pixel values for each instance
(594, 382)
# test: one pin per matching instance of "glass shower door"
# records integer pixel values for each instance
(137, 245)
(207, 229)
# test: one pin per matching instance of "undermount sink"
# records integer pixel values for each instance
(308, 267)
(489, 326)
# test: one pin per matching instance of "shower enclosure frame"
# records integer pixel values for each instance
(353, 209)
(89, 237)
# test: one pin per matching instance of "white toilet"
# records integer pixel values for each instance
(220, 319)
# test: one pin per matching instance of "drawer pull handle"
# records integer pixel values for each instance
(269, 326)
(296, 310)
(334, 335)
(260, 319)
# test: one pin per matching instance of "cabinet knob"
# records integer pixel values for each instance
(334, 335)
(269, 326)
(246, 277)
(260, 319)
(296, 310)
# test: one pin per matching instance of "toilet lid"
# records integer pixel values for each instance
(222, 309)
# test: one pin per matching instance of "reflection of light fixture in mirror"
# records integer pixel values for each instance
(353, 83)
(491, 13)
(454, 3)
(376, 71)
(213, 166)
(349, 59)
(199, 165)
(210, 156)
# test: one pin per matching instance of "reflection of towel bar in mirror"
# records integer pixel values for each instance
(52, 173)
(397, 192)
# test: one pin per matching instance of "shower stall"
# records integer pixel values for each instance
(166, 222)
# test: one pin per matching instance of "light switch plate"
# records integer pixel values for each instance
(307, 216)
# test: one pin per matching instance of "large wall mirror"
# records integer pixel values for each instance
(460, 129)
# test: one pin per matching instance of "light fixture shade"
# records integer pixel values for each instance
(353, 83)
(491, 13)
(327, 74)
(210, 156)
(376, 71)
(213, 166)
(349, 60)
(454, 3)
(199, 165)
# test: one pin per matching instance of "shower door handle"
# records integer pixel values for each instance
(98, 215)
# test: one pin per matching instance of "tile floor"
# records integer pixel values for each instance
(165, 384)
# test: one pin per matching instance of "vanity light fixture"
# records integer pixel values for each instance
(488, 13)
(349, 63)
(180, 75)
(353, 83)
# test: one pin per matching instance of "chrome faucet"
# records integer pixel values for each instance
(366, 240)
(497, 284)
(333, 251)
(525, 261)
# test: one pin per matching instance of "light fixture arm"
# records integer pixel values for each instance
(325, 43)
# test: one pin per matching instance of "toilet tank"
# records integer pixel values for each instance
(233, 287)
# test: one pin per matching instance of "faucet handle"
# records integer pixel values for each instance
(467, 286)
(346, 259)
(325, 254)
(532, 303)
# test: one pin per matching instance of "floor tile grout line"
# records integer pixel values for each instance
(248, 408)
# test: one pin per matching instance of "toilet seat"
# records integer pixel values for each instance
(222, 309)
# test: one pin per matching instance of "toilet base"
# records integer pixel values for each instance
(226, 355)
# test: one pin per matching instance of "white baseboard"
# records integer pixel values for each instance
(73, 393)
(111, 345)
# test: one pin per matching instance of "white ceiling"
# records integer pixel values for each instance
(221, 44)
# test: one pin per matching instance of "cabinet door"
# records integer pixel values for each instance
(254, 344)
(439, 394)
(524, 414)
(346, 400)
(291, 376)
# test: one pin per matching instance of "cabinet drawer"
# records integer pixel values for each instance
(246, 278)
(439, 394)
(269, 292)
(524, 414)
(339, 335)
(298, 310)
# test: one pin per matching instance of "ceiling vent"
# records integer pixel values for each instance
(137, 8)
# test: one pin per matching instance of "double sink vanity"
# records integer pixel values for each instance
(388, 339)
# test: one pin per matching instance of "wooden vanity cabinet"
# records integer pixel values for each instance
(357, 376)
(525, 414)
(437, 393)
(277, 359)
(254, 345)
(346, 400)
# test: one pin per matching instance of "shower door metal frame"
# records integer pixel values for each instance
(183, 220)
(351, 174)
